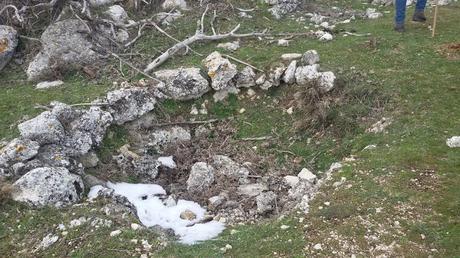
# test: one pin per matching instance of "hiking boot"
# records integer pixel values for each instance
(399, 27)
(419, 16)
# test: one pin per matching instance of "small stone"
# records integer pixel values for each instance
(284, 227)
(283, 43)
(317, 247)
(241, 111)
(306, 174)
(453, 142)
(290, 110)
(48, 84)
(252, 190)
(230, 46)
(310, 57)
(188, 215)
(290, 56)
(135, 226)
(266, 202)
(115, 233)
(292, 181)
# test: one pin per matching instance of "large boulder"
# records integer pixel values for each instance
(201, 177)
(117, 14)
(130, 103)
(8, 44)
(44, 128)
(48, 186)
(183, 83)
(65, 47)
(220, 70)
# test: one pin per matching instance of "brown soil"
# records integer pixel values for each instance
(450, 50)
(3, 45)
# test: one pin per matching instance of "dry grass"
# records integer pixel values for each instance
(5, 191)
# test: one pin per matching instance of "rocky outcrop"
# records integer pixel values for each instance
(183, 83)
(8, 44)
(246, 78)
(65, 47)
(48, 186)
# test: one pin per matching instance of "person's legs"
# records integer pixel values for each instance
(419, 14)
(420, 6)
(400, 16)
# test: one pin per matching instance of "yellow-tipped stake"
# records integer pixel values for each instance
(435, 19)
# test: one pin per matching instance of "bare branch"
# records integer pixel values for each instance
(242, 62)
(16, 12)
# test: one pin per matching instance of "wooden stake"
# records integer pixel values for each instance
(435, 18)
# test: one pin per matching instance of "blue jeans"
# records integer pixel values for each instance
(401, 9)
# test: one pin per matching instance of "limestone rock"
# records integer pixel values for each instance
(229, 168)
(117, 14)
(245, 78)
(44, 128)
(18, 150)
(326, 81)
(453, 142)
(8, 44)
(252, 190)
(305, 74)
(48, 186)
(307, 175)
(290, 56)
(283, 7)
(220, 70)
(276, 74)
(97, 3)
(174, 4)
(292, 181)
(163, 138)
(48, 84)
(310, 57)
(64, 47)
(130, 103)
(201, 177)
(230, 46)
(266, 202)
(183, 83)
(371, 13)
(224, 93)
(289, 74)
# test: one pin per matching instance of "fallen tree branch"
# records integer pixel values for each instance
(262, 138)
(210, 121)
(16, 12)
(199, 36)
(242, 62)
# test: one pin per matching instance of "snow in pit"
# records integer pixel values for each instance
(151, 211)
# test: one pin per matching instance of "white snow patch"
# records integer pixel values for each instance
(94, 192)
(167, 162)
(151, 211)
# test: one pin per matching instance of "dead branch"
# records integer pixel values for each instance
(16, 12)
(242, 62)
(263, 138)
(199, 36)
(139, 34)
(171, 37)
(210, 121)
